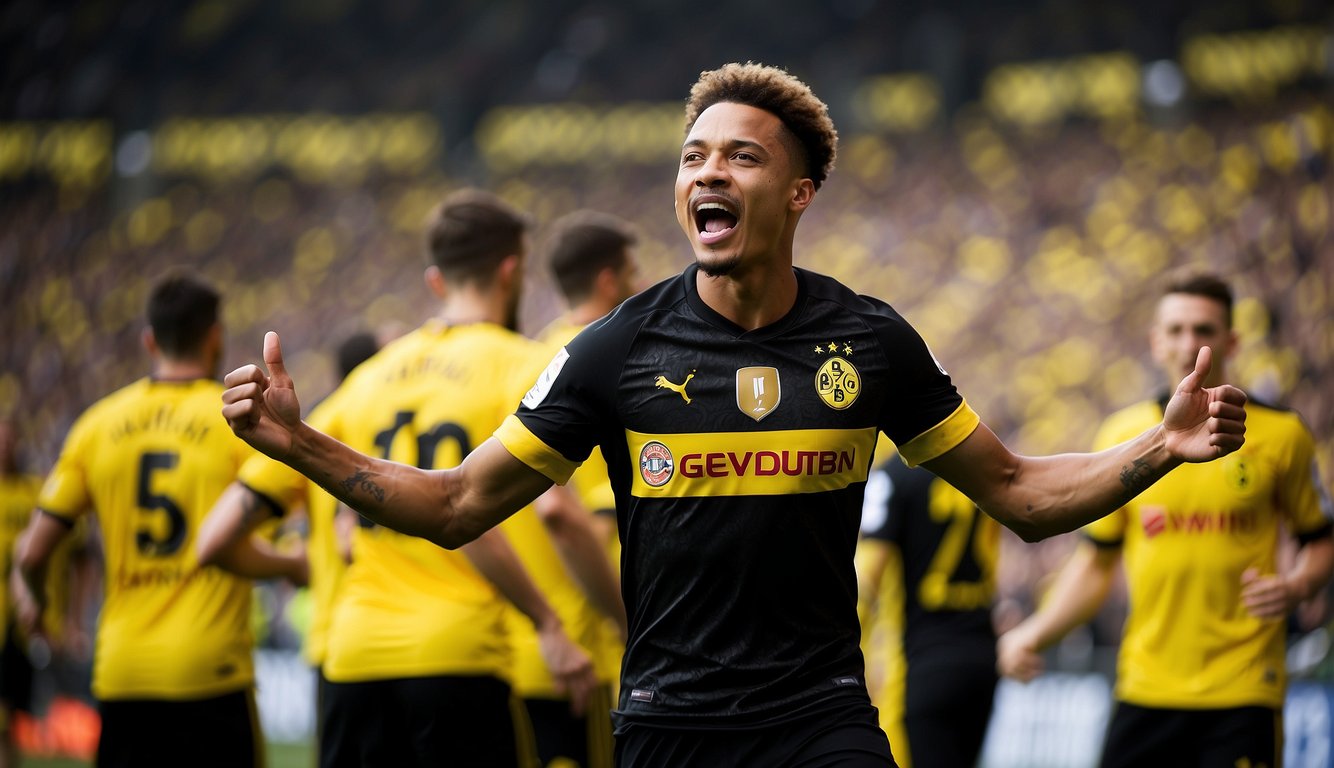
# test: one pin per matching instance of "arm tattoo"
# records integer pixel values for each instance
(362, 480)
(1136, 476)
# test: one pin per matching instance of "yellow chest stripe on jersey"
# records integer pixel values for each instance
(748, 463)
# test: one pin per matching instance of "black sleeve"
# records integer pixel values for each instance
(574, 398)
(920, 394)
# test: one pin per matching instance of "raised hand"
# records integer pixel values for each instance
(262, 409)
(1203, 424)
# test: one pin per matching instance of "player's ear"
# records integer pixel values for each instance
(149, 341)
(435, 280)
(510, 269)
(802, 194)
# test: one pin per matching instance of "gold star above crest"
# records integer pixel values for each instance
(847, 349)
(819, 350)
(833, 347)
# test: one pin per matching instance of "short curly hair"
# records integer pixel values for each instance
(777, 92)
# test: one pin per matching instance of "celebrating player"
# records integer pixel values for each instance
(737, 405)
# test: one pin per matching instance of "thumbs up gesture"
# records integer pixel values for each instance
(262, 409)
(1202, 424)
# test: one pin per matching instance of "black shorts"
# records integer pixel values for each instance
(947, 706)
(218, 732)
(15, 675)
(1143, 736)
(446, 720)
(581, 741)
(847, 736)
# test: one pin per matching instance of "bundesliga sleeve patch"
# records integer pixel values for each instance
(546, 380)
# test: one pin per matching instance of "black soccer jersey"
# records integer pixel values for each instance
(739, 459)
(948, 552)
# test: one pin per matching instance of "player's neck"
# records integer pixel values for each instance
(469, 307)
(166, 369)
(753, 299)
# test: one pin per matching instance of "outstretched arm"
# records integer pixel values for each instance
(449, 507)
(1041, 496)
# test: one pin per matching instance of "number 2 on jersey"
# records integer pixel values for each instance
(940, 587)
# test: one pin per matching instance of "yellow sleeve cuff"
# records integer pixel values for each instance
(942, 437)
(527, 448)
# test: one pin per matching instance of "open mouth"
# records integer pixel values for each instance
(714, 221)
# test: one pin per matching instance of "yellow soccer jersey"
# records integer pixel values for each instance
(406, 607)
(18, 497)
(150, 460)
(1188, 641)
(290, 489)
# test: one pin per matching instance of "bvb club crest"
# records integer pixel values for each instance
(1238, 473)
(758, 390)
(837, 382)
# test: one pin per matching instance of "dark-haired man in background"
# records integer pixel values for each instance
(172, 666)
(1201, 675)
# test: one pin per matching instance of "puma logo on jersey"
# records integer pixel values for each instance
(662, 383)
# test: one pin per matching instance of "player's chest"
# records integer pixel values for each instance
(712, 382)
(1232, 497)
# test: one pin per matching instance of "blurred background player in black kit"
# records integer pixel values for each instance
(926, 571)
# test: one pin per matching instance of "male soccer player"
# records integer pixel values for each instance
(70, 584)
(172, 667)
(926, 562)
(737, 406)
(420, 647)
(18, 496)
(1201, 677)
(590, 255)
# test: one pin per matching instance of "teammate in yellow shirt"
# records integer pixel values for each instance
(419, 652)
(1200, 678)
(590, 255)
(172, 668)
(18, 497)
